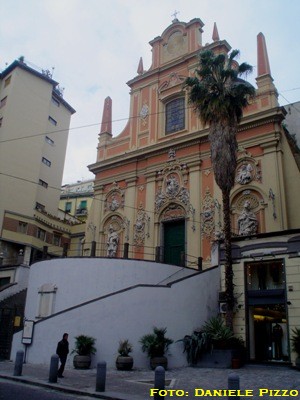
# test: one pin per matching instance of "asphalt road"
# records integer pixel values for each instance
(17, 391)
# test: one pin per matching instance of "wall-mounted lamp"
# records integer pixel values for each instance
(288, 303)
(290, 288)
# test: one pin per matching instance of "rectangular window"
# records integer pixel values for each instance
(49, 141)
(43, 183)
(82, 209)
(3, 102)
(46, 162)
(265, 275)
(22, 228)
(175, 115)
(83, 204)
(52, 121)
(56, 239)
(7, 81)
(68, 207)
(39, 206)
(1, 121)
(41, 234)
(55, 102)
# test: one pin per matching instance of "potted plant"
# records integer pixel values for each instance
(84, 348)
(296, 345)
(194, 345)
(124, 361)
(214, 346)
(156, 345)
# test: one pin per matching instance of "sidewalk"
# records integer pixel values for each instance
(260, 381)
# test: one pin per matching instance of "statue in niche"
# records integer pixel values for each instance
(114, 205)
(112, 242)
(244, 174)
(172, 185)
(247, 222)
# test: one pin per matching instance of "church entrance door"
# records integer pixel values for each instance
(174, 242)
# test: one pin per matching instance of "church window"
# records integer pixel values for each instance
(175, 115)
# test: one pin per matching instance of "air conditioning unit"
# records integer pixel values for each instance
(223, 308)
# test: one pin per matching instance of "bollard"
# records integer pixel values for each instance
(53, 368)
(93, 249)
(101, 376)
(19, 363)
(200, 260)
(233, 384)
(159, 381)
(126, 251)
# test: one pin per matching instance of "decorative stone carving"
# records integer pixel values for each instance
(173, 211)
(272, 198)
(112, 242)
(244, 174)
(210, 206)
(171, 188)
(126, 226)
(160, 199)
(114, 199)
(113, 231)
(248, 168)
(172, 185)
(184, 196)
(247, 221)
(172, 154)
(141, 225)
(144, 113)
(174, 79)
(91, 227)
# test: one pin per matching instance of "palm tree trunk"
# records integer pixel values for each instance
(223, 153)
(229, 286)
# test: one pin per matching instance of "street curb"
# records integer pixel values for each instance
(33, 382)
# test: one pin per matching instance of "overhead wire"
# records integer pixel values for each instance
(98, 124)
(117, 120)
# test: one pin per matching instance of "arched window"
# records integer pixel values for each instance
(175, 115)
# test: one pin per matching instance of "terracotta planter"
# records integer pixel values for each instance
(82, 362)
(235, 363)
(159, 361)
(124, 363)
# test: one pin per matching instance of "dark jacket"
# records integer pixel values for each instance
(62, 349)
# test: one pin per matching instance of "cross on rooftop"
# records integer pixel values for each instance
(175, 14)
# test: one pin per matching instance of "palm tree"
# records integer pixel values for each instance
(219, 95)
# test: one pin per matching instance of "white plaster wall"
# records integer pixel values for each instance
(180, 307)
(82, 279)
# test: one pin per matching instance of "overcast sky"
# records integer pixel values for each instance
(95, 46)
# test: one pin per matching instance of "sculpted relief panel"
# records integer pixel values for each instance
(172, 193)
(114, 199)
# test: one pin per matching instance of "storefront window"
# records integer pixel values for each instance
(268, 333)
(265, 275)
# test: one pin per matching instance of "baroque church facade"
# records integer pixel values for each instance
(154, 185)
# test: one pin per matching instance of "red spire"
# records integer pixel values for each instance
(215, 35)
(106, 116)
(263, 66)
(140, 69)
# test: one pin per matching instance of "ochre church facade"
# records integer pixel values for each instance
(154, 184)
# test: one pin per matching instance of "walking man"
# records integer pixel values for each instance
(62, 351)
